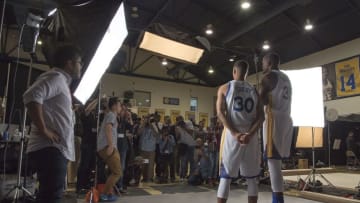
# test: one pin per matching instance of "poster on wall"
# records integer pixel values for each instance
(329, 81)
(189, 115)
(205, 117)
(173, 115)
(347, 77)
(143, 112)
(161, 113)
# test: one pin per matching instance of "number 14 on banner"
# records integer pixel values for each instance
(348, 77)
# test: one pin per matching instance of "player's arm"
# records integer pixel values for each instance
(267, 85)
(221, 109)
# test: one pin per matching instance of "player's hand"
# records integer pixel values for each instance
(239, 137)
(109, 150)
(245, 138)
(51, 135)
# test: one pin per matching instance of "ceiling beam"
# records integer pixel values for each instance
(353, 5)
(141, 63)
(220, 17)
(301, 29)
(162, 79)
(260, 19)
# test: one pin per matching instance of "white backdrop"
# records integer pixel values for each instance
(307, 107)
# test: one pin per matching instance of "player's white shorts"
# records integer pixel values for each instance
(277, 135)
(235, 156)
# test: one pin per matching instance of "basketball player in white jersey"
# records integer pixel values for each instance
(277, 129)
(239, 110)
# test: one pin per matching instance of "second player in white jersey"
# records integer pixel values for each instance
(278, 124)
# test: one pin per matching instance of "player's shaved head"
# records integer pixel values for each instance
(240, 69)
(271, 61)
(274, 59)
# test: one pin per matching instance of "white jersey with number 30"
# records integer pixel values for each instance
(241, 101)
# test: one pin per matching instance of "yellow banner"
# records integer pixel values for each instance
(348, 77)
(161, 113)
(205, 117)
(189, 115)
(143, 112)
(173, 115)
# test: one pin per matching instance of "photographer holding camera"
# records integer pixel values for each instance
(166, 157)
(186, 146)
(148, 138)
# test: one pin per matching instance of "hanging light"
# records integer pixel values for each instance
(134, 12)
(52, 12)
(266, 45)
(211, 70)
(245, 4)
(209, 30)
(164, 62)
(39, 42)
(232, 58)
(308, 25)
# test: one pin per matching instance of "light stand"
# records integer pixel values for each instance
(19, 186)
(331, 115)
(31, 28)
(93, 194)
(329, 143)
(313, 172)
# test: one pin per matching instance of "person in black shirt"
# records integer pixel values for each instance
(124, 127)
(88, 147)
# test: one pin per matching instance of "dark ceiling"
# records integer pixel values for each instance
(236, 32)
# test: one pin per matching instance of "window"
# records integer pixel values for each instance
(142, 98)
(193, 104)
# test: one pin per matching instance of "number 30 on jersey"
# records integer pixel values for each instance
(241, 104)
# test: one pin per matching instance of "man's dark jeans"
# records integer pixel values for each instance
(50, 166)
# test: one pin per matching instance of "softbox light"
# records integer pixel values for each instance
(108, 47)
(170, 48)
(307, 107)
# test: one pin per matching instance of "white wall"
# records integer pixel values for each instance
(159, 89)
(352, 48)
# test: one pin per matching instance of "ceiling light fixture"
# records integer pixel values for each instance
(39, 42)
(164, 62)
(209, 30)
(232, 58)
(245, 4)
(52, 12)
(134, 12)
(308, 25)
(266, 45)
(110, 44)
(211, 70)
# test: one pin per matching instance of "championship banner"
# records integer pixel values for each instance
(205, 117)
(173, 115)
(161, 113)
(189, 115)
(143, 112)
(347, 77)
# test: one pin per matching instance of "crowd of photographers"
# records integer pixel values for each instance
(150, 149)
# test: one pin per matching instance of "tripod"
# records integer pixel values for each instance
(310, 180)
(19, 186)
